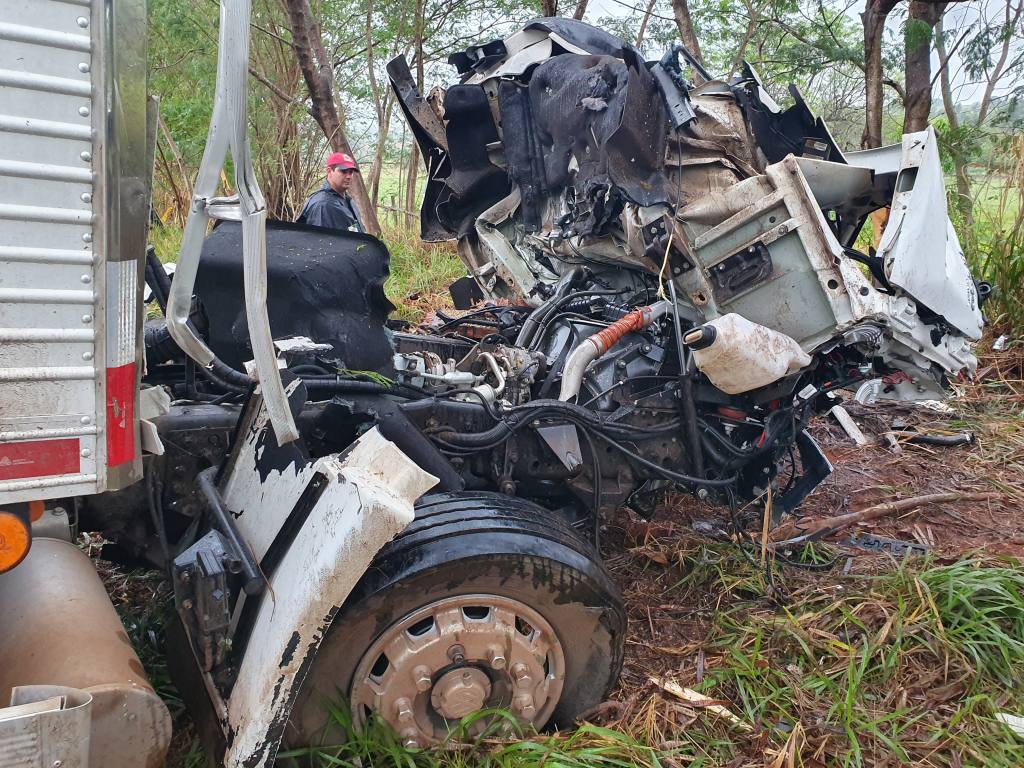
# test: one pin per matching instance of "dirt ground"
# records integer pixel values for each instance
(671, 614)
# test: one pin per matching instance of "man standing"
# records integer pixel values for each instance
(330, 206)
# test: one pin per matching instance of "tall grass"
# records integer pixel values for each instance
(980, 614)
(904, 667)
(420, 272)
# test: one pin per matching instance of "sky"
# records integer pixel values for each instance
(958, 18)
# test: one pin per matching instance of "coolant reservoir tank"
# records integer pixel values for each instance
(738, 355)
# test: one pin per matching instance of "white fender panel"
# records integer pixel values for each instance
(368, 500)
(920, 249)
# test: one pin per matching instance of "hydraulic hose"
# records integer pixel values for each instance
(326, 384)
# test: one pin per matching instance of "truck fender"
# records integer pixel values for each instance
(365, 498)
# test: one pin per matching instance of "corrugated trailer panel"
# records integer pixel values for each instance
(73, 210)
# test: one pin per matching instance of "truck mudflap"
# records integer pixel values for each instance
(60, 629)
(313, 527)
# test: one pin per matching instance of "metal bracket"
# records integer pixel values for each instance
(201, 596)
(229, 132)
(816, 468)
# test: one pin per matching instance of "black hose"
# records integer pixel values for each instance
(158, 280)
(724, 442)
(215, 374)
(160, 347)
(354, 386)
(961, 438)
(545, 409)
(479, 440)
(668, 474)
(687, 405)
(713, 452)
(554, 311)
(310, 370)
(562, 287)
(225, 523)
(154, 500)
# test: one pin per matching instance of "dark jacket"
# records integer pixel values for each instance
(326, 208)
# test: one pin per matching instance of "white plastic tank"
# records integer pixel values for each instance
(739, 356)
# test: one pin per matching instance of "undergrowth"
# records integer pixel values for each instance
(995, 241)
(500, 744)
(420, 272)
(905, 666)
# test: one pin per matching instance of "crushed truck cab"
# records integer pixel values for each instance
(664, 287)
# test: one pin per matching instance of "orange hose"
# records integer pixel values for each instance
(634, 321)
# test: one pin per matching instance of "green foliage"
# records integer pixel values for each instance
(491, 738)
(917, 34)
(166, 239)
(420, 272)
(857, 667)
(183, 69)
(994, 238)
(980, 610)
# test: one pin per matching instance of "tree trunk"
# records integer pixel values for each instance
(643, 22)
(549, 7)
(183, 195)
(414, 154)
(684, 23)
(319, 76)
(379, 107)
(741, 50)
(921, 19)
(378, 155)
(873, 18)
(581, 8)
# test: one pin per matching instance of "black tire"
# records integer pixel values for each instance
(473, 543)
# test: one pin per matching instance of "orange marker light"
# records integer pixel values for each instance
(15, 540)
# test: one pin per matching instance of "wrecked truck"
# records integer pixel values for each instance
(664, 287)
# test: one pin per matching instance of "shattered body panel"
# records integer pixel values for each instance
(749, 208)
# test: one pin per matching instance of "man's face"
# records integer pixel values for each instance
(339, 178)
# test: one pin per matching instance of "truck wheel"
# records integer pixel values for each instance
(485, 600)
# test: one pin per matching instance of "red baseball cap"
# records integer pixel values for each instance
(343, 161)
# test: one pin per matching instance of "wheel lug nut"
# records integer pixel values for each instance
(457, 654)
(404, 709)
(496, 657)
(409, 740)
(523, 704)
(421, 676)
(521, 674)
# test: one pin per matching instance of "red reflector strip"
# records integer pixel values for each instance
(39, 458)
(120, 415)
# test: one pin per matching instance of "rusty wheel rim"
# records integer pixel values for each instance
(453, 657)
